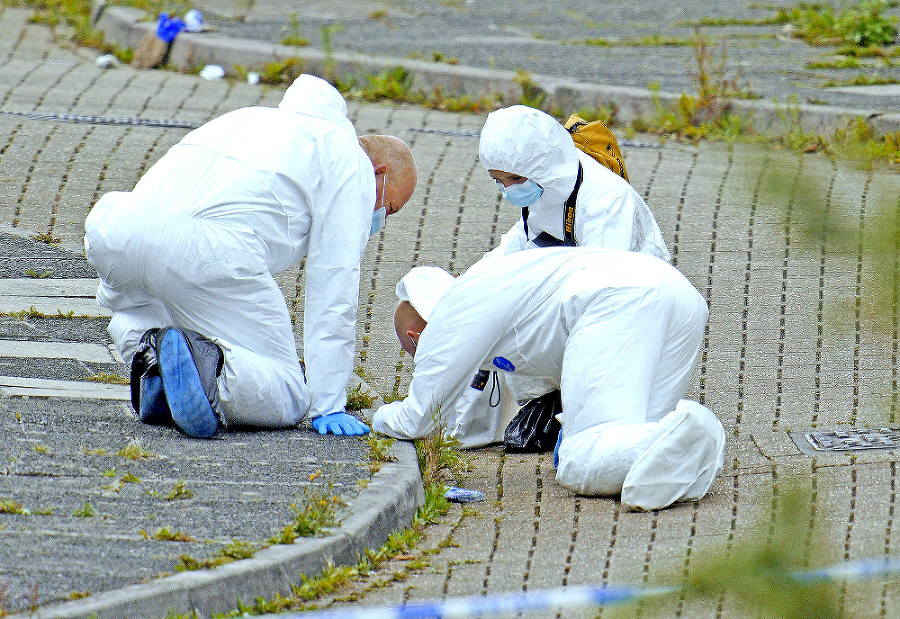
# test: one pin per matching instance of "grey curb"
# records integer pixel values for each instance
(192, 50)
(387, 504)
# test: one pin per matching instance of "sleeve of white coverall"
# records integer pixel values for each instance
(337, 241)
(449, 354)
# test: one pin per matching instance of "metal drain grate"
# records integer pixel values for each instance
(854, 438)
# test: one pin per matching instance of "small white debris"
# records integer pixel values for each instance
(212, 72)
(193, 21)
(107, 61)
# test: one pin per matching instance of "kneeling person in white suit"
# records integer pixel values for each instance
(618, 331)
(186, 261)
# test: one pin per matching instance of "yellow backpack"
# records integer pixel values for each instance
(595, 139)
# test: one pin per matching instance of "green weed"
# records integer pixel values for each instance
(296, 37)
(435, 506)
(11, 506)
(317, 511)
(135, 451)
(438, 100)
(729, 21)
(116, 486)
(841, 62)
(394, 84)
(333, 578)
(33, 312)
(179, 492)
(862, 80)
(46, 237)
(863, 24)
(167, 535)
(706, 114)
(532, 94)
(235, 551)
(85, 511)
(380, 450)
(329, 65)
(35, 275)
(282, 72)
(605, 114)
(41, 448)
(440, 456)
(358, 399)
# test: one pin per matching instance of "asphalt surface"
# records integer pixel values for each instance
(593, 41)
(793, 346)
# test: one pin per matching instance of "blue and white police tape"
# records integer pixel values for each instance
(575, 597)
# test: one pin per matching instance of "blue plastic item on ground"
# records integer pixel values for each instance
(463, 495)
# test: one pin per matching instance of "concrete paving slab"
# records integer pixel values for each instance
(92, 353)
(85, 288)
(12, 386)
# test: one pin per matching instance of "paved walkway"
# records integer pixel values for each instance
(788, 350)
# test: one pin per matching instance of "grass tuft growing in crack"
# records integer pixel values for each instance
(317, 511)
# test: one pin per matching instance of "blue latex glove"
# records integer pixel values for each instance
(339, 424)
(556, 451)
(167, 29)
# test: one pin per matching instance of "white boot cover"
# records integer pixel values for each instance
(682, 461)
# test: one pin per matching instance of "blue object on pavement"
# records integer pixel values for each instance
(339, 424)
(191, 410)
(168, 28)
(154, 408)
(463, 495)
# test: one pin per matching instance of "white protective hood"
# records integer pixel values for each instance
(423, 287)
(609, 212)
(525, 141)
(315, 97)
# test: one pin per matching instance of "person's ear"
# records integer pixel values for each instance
(414, 336)
(380, 169)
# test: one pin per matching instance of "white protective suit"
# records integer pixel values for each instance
(196, 242)
(608, 213)
(618, 331)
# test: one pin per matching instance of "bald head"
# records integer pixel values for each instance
(408, 324)
(395, 170)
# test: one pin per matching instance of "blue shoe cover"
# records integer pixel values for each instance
(153, 407)
(191, 410)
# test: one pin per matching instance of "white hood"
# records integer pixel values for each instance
(423, 287)
(525, 141)
(313, 96)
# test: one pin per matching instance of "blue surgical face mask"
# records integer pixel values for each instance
(378, 220)
(522, 194)
(379, 217)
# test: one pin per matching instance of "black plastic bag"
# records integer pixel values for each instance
(535, 428)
